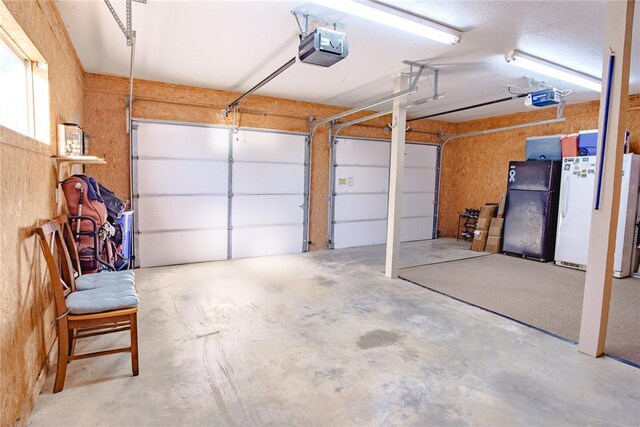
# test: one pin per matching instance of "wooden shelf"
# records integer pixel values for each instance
(72, 160)
(79, 160)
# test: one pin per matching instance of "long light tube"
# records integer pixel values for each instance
(537, 65)
(386, 15)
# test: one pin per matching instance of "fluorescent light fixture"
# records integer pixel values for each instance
(537, 65)
(395, 18)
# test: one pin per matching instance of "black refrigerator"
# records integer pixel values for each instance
(533, 190)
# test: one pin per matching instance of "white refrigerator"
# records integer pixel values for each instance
(577, 188)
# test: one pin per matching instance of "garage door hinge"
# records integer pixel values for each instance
(231, 194)
(230, 160)
(230, 228)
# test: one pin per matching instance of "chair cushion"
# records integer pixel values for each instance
(107, 278)
(106, 298)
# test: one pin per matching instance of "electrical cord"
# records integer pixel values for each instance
(516, 93)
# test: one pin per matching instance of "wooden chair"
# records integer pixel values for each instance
(69, 240)
(70, 324)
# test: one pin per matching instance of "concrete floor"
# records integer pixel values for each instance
(325, 339)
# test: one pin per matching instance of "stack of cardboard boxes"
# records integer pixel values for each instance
(488, 234)
(494, 240)
(481, 234)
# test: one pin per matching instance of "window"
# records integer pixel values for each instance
(24, 88)
(16, 88)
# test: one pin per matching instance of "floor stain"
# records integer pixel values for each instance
(323, 281)
(378, 338)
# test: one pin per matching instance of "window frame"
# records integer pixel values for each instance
(13, 47)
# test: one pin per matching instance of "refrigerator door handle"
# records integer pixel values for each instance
(565, 202)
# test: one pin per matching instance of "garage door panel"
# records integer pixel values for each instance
(182, 212)
(350, 207)
(268, 188)
(417, 204)
(353, 212)
(181, 247)
(268, 147)
(263, 210)
(363, 152)
(182, 177)
(352, 179)
(171, 140)
(416, 229)
(418, 155)
(261, 241)
(418, 179)
(352, 234)
(266, 178)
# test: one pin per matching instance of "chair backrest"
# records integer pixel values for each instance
(70, 241)
(52, 244)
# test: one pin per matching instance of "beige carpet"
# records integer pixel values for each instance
(539, 294)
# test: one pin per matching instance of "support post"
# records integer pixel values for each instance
(597, 291)
(394, 216)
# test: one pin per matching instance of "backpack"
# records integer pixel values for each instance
(88, 198)
(80, 190)
(114, 205)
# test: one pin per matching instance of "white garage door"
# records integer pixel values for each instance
(181, 186)
(204, 194)
(268, 194)
(360, 192)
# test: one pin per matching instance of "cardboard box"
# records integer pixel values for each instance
(495, 232)
(483, 224)
(492, 249)
(480, 235)
(501, 205)
(497, 222)
(489, 210)
(495, 229)
(492, 240)
(478, 245)
(493, 245)
(479, 240)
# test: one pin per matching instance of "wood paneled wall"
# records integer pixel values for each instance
(26, 197)
(473, 173)
(105, 124)
(474, 169)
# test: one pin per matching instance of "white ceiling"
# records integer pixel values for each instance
(233, 45)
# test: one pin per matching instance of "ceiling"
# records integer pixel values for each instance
(232, 45)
